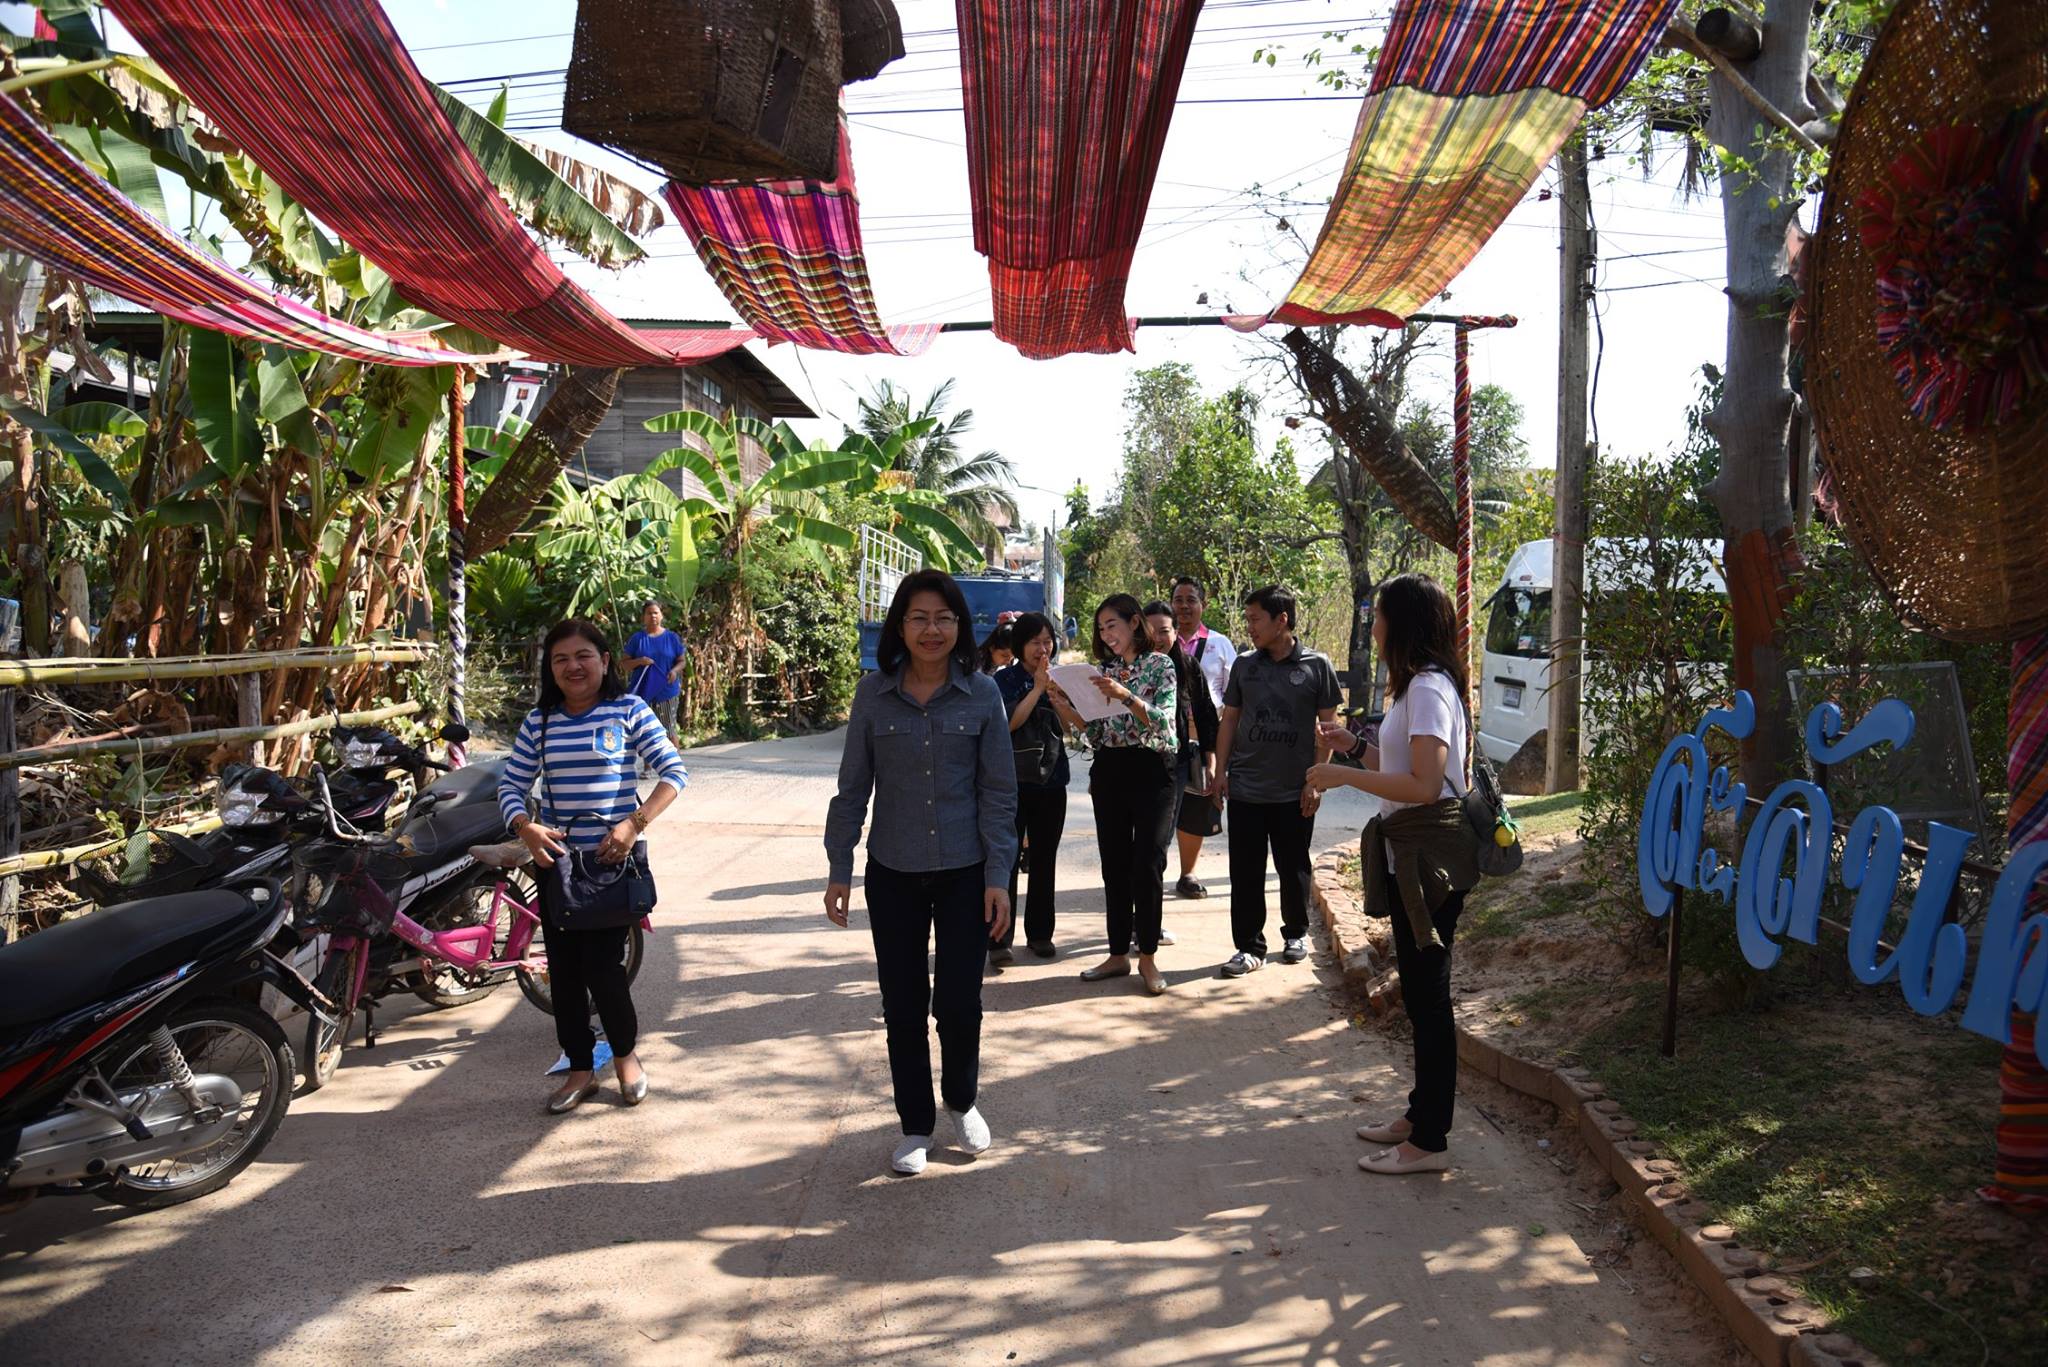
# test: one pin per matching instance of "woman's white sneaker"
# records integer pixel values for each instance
(970, 1129)
(909, 1156)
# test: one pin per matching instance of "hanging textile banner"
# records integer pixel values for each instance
(787, 256)
(58, 210)
(1468, 103)
(323, 96)
(691, 345)
(1067, 107)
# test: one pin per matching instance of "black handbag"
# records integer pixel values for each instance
(1036, 746)
(581, 892)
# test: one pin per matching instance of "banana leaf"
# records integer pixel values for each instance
(89, 462)
(223, 416)
(543, 199)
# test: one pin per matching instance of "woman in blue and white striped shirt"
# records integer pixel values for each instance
(594, 732)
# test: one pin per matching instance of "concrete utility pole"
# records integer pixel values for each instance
(1577, 254)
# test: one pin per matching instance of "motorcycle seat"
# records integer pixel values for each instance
(469, 786)
(448, 832)
(104, 953)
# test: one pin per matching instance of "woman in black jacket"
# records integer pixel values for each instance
(1039, 716)
(1196, 768)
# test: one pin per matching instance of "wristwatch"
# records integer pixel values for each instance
(640, 820)
(521, 822)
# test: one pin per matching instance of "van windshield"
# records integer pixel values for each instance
(1520, 624)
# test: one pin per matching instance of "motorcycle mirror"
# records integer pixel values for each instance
(455, 733)
(327, 697)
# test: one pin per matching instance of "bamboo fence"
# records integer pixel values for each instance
(15, 674)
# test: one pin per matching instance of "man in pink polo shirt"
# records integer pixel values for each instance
(1213, 655)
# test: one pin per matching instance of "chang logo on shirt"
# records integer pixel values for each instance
(610, 739)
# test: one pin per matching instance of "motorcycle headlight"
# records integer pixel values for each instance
(357, 754)
(239, 810)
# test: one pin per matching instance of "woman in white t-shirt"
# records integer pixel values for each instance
(1420, 759)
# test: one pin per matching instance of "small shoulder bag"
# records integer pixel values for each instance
(1496, 838)
(582, 892)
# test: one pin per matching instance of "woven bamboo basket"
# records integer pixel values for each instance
(1954, 523)
(870, 37)
(710, 90)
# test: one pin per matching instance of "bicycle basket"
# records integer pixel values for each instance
(332, 890)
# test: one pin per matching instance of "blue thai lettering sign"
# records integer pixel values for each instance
(1776, 885)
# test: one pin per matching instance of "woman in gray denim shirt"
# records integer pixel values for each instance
(930, 739)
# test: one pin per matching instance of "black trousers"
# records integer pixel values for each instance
(586, 967)
(1256, 827)
(1426, 993)
(1041, 818)
(906, 912)
(1134, 792)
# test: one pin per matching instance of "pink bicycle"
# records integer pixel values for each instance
(481, 937)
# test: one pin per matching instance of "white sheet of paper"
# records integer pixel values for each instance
(1077, 682)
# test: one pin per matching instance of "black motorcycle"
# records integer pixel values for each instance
(261, 809)
(133, 1065)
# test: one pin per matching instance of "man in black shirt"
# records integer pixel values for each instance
(1266, 744)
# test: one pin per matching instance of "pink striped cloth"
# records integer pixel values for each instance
(58, 210)
(787, 256)
(324, 97)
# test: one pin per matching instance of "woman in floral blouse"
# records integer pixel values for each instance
(1132, 784)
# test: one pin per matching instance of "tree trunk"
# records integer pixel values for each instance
(1568, 558)
(572, 412)
(1369, 429)
(1752, 422)
(26, 543)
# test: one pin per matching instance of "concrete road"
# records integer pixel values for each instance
(1173, 1180)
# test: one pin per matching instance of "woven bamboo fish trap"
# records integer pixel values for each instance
(870, 37)
(710, 90)
(1949, 507)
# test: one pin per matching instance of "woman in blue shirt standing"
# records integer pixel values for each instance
(580, 743)
(929, 739)
(654, 663)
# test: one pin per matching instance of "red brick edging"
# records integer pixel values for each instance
(1765, 1312)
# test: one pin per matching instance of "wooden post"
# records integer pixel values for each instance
(1568, 561)
(1461, 479)
(1672, 932)
(458, 568)
(249, 710)
(10, 821)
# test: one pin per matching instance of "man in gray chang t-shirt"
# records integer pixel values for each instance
(1267, 741)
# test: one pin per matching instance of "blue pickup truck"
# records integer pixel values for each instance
(989, 596)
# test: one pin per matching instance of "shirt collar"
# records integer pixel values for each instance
(1291, 656)
(1201, 634)
(893, 683)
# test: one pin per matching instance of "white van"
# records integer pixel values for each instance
(1514, 681)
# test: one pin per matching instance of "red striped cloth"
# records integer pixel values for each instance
(1469, 100)
(2021, 1178)
(1067, 108)
(787, 256)
(1588, 49)
(58, 210)
(691, 345)
(324, 97)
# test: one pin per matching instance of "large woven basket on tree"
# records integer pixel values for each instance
(1929, 341)
(710, 89)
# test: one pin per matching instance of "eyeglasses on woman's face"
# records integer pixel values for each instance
(931, 621)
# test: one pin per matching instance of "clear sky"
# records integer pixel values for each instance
(1662, 309)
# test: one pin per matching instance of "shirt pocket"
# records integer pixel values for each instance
(960, 740)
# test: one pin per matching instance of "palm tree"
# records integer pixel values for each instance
(971, 486)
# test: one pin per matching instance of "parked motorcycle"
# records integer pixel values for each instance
(258, 808)
(132, 1064)
(353, 883)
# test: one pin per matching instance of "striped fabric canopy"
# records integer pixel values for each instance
(324, 97)
(1469, 101)
(58, 210)
(1067, 109)
(787, 256)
